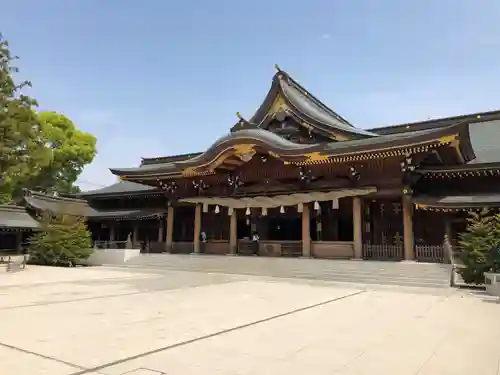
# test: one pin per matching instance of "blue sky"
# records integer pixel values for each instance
(153, 77)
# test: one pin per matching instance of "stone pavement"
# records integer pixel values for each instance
(116, 321)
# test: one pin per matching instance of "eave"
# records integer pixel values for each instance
(457, 203)
(437, 123)
(467, 170)
(242, 145)
(16, 218)
(79, 207)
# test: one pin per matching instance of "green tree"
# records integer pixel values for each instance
(22, 152)
(37, 150)
(62, 241)
(71, 150)
(480, 247)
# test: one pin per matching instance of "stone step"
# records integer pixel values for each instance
(353, 279)
(297, 268)
(369, 272)
(304, 265)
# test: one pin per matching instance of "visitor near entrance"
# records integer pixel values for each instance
(255, 243)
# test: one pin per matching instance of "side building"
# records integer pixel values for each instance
(310, 184)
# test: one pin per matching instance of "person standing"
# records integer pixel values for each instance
(255, 243)
(203, 240)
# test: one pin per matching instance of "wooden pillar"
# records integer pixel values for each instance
(408, 228)
(306, 231)
(197, 228)
(111, 232)
(357, 224)
(447, 228)
(19, 242)
(135, 234)
(233, 233)
(160, 230)
(170, 229)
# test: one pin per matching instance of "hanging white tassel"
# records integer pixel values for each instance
(205, 207)
(316, 206)
(335, 204)
(229, 211)
(264, 211)
(282, 210)
(248, 221)
(217, 210)
(300, 207)
(247, 212)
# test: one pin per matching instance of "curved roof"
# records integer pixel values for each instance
(306, 106)
(118, 188)
(79, 207)
(16, 217)
(457, 202)
(294, 152)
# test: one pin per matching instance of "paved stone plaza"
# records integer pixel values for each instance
(146, 322)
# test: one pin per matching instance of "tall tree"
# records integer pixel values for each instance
(22, 152)
(71, 150)
(37, 150)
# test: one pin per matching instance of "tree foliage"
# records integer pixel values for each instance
(62, 240)
(22, 152)
(71, 150)
(44, 151)
(480, 247)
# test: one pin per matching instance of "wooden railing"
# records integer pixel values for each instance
(383, 252)
(429, 253)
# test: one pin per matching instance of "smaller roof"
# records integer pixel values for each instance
(16, 217)
(80, 207)
(119, 188)
(456, 202)
(55, 204)
(124, 214)
(470, 118)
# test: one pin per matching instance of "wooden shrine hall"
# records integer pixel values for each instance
(310, 183)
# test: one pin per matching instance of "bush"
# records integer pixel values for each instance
(62, 241)
(480, 247)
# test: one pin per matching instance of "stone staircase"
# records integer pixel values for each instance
(363, 272)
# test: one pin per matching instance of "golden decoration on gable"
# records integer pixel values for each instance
(274, 154)
(278, 105)
(316, 156)
(245, 152)
(447, 139)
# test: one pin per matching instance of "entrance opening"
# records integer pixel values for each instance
(284, 229)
